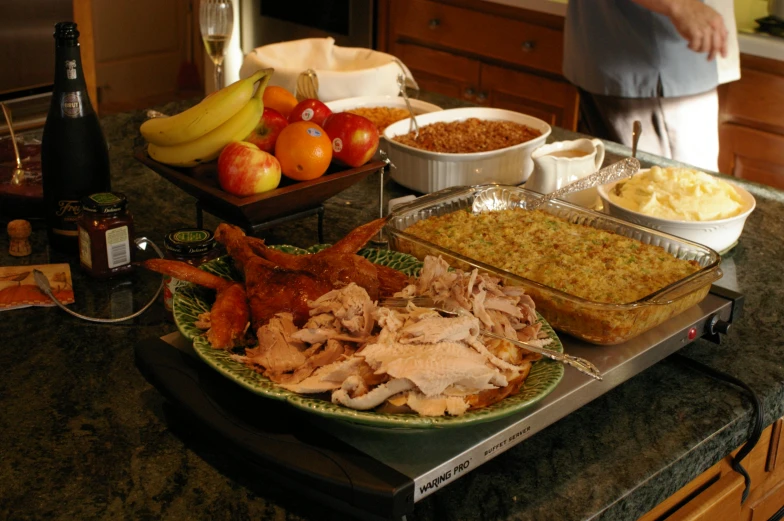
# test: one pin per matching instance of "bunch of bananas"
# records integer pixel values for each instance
(198, 134)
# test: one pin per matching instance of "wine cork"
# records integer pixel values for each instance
(19, 233)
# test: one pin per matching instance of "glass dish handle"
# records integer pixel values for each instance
(681, 290)
(425, 200)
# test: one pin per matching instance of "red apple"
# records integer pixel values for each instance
(310, 110)
(266, 132)
(354, 138)
(245, 169)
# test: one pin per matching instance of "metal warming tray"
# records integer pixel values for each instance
(380, 473)
(595, 322)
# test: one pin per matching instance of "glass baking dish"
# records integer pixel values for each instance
(595, 322)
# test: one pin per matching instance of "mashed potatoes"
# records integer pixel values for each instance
(681, 194)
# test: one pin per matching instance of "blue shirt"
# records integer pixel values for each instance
(619, 48)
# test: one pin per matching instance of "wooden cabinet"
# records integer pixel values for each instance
(751, 122)
(132, 52)
(715, 495)
(488, 54)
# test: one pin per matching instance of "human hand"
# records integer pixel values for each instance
(700, 25)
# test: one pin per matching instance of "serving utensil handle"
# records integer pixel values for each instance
(626, 167)
(581, 364)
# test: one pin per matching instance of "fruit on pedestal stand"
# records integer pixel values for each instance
(311, 110)
(304, 151)
(354, 138)
(267, 131)
(209, 146)
(212, 112)
(244, 169)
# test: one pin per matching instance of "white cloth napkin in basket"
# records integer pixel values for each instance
(343, 72)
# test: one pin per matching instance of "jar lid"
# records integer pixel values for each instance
(189, 241)
(105, 203)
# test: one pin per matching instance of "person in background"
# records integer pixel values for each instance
(657, 61)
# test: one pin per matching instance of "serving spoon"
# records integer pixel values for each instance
(636, 131)
(401, 81)
(626, 167)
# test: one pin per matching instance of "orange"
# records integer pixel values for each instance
(279, 99)
(304, 151)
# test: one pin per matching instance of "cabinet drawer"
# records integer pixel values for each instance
(756, 99)
(442, 72)
(764, 509)
(551, 100)
(443, 64)
(752, 154)
(719, 502)
(488, 35)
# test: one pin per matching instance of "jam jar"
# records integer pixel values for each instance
(192, 245)
(105, 229)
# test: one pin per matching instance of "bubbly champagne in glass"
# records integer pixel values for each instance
(216, 45)
(216, 20)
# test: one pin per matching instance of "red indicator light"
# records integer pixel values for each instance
(692, 333)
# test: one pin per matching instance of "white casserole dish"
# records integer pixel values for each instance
(719, 235)
(427, 172)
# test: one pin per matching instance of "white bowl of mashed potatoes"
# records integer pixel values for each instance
(683, 202)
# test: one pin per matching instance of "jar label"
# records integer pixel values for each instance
(186, 236)
(106, 198)
(118, 251)
(85, 248)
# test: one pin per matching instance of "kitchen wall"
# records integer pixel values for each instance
(26, 28)
(746, 11)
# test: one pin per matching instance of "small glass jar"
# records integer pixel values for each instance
(105, 233)
(192, 245)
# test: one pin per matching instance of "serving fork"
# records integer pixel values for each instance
(581, 364)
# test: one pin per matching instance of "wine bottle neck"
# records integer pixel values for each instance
(68, 74)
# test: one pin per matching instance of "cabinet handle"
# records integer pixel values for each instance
(468, 93)
(482, 96)
(528, 45)
(434, 23)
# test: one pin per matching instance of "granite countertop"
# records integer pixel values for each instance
(85, 436)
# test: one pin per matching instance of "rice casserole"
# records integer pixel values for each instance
(588, 273)
(381, 117)
(468, 136)
(551, 251)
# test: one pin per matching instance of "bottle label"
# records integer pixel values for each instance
(69, 210)
(118, 251)
(71, 105)
(66, 213)
(70, 69)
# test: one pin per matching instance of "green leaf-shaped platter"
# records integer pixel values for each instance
(190, 301)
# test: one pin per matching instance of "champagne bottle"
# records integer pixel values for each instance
(74, 155)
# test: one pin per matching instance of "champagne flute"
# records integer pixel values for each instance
(216, 19)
